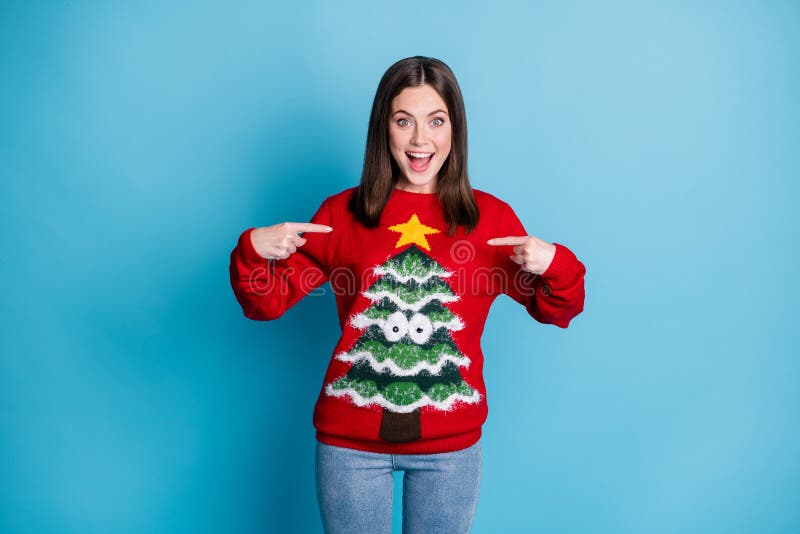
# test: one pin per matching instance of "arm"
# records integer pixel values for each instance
(556, 295)
(267, 288)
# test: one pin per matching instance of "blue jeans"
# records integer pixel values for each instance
(354, 490)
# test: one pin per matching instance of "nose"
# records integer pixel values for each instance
(420, 136)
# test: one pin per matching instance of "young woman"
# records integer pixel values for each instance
(416, 257)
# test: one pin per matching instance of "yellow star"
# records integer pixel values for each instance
(413, 231)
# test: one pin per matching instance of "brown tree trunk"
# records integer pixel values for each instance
(400, 427)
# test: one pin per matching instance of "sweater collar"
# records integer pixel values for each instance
(412, 197)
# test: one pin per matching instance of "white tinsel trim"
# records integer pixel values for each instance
(377, 297)
(358, 400)
(404, 279)
(362, 321)
(396, 370)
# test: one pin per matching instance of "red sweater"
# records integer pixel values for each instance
(406, 376)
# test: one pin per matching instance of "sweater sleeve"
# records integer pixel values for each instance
(553, 297)
(267, 288)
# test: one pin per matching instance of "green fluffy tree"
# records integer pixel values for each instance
(406, 358)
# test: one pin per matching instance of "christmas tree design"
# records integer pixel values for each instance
(406, 357)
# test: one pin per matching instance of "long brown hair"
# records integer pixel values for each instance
(380, 172)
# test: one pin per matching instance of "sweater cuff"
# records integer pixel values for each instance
(564, 268)
(248, 251)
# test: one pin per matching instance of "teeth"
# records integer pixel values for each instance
(419, 154)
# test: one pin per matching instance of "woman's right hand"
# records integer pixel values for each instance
(280, 241)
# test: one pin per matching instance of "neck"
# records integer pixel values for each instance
(422, 190)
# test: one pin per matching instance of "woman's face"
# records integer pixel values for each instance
(419, 125)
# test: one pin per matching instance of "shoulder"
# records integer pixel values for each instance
(489, 203)
(498, 213)
(340, 198)
(338, 201)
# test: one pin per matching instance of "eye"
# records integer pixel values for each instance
(441, 121)
(420, 328)
(395, 326)
(402, 122)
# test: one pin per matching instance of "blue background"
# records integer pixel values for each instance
(138, 139)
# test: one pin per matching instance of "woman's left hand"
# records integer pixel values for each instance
(531, 253)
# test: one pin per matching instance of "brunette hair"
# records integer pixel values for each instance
(380, 172)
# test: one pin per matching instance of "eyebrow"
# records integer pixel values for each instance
(429, 114)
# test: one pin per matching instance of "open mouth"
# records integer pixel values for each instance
(419, 161)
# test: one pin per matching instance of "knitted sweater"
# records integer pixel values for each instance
(406, 376)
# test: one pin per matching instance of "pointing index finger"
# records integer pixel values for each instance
(510, 240)
(311, 227)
